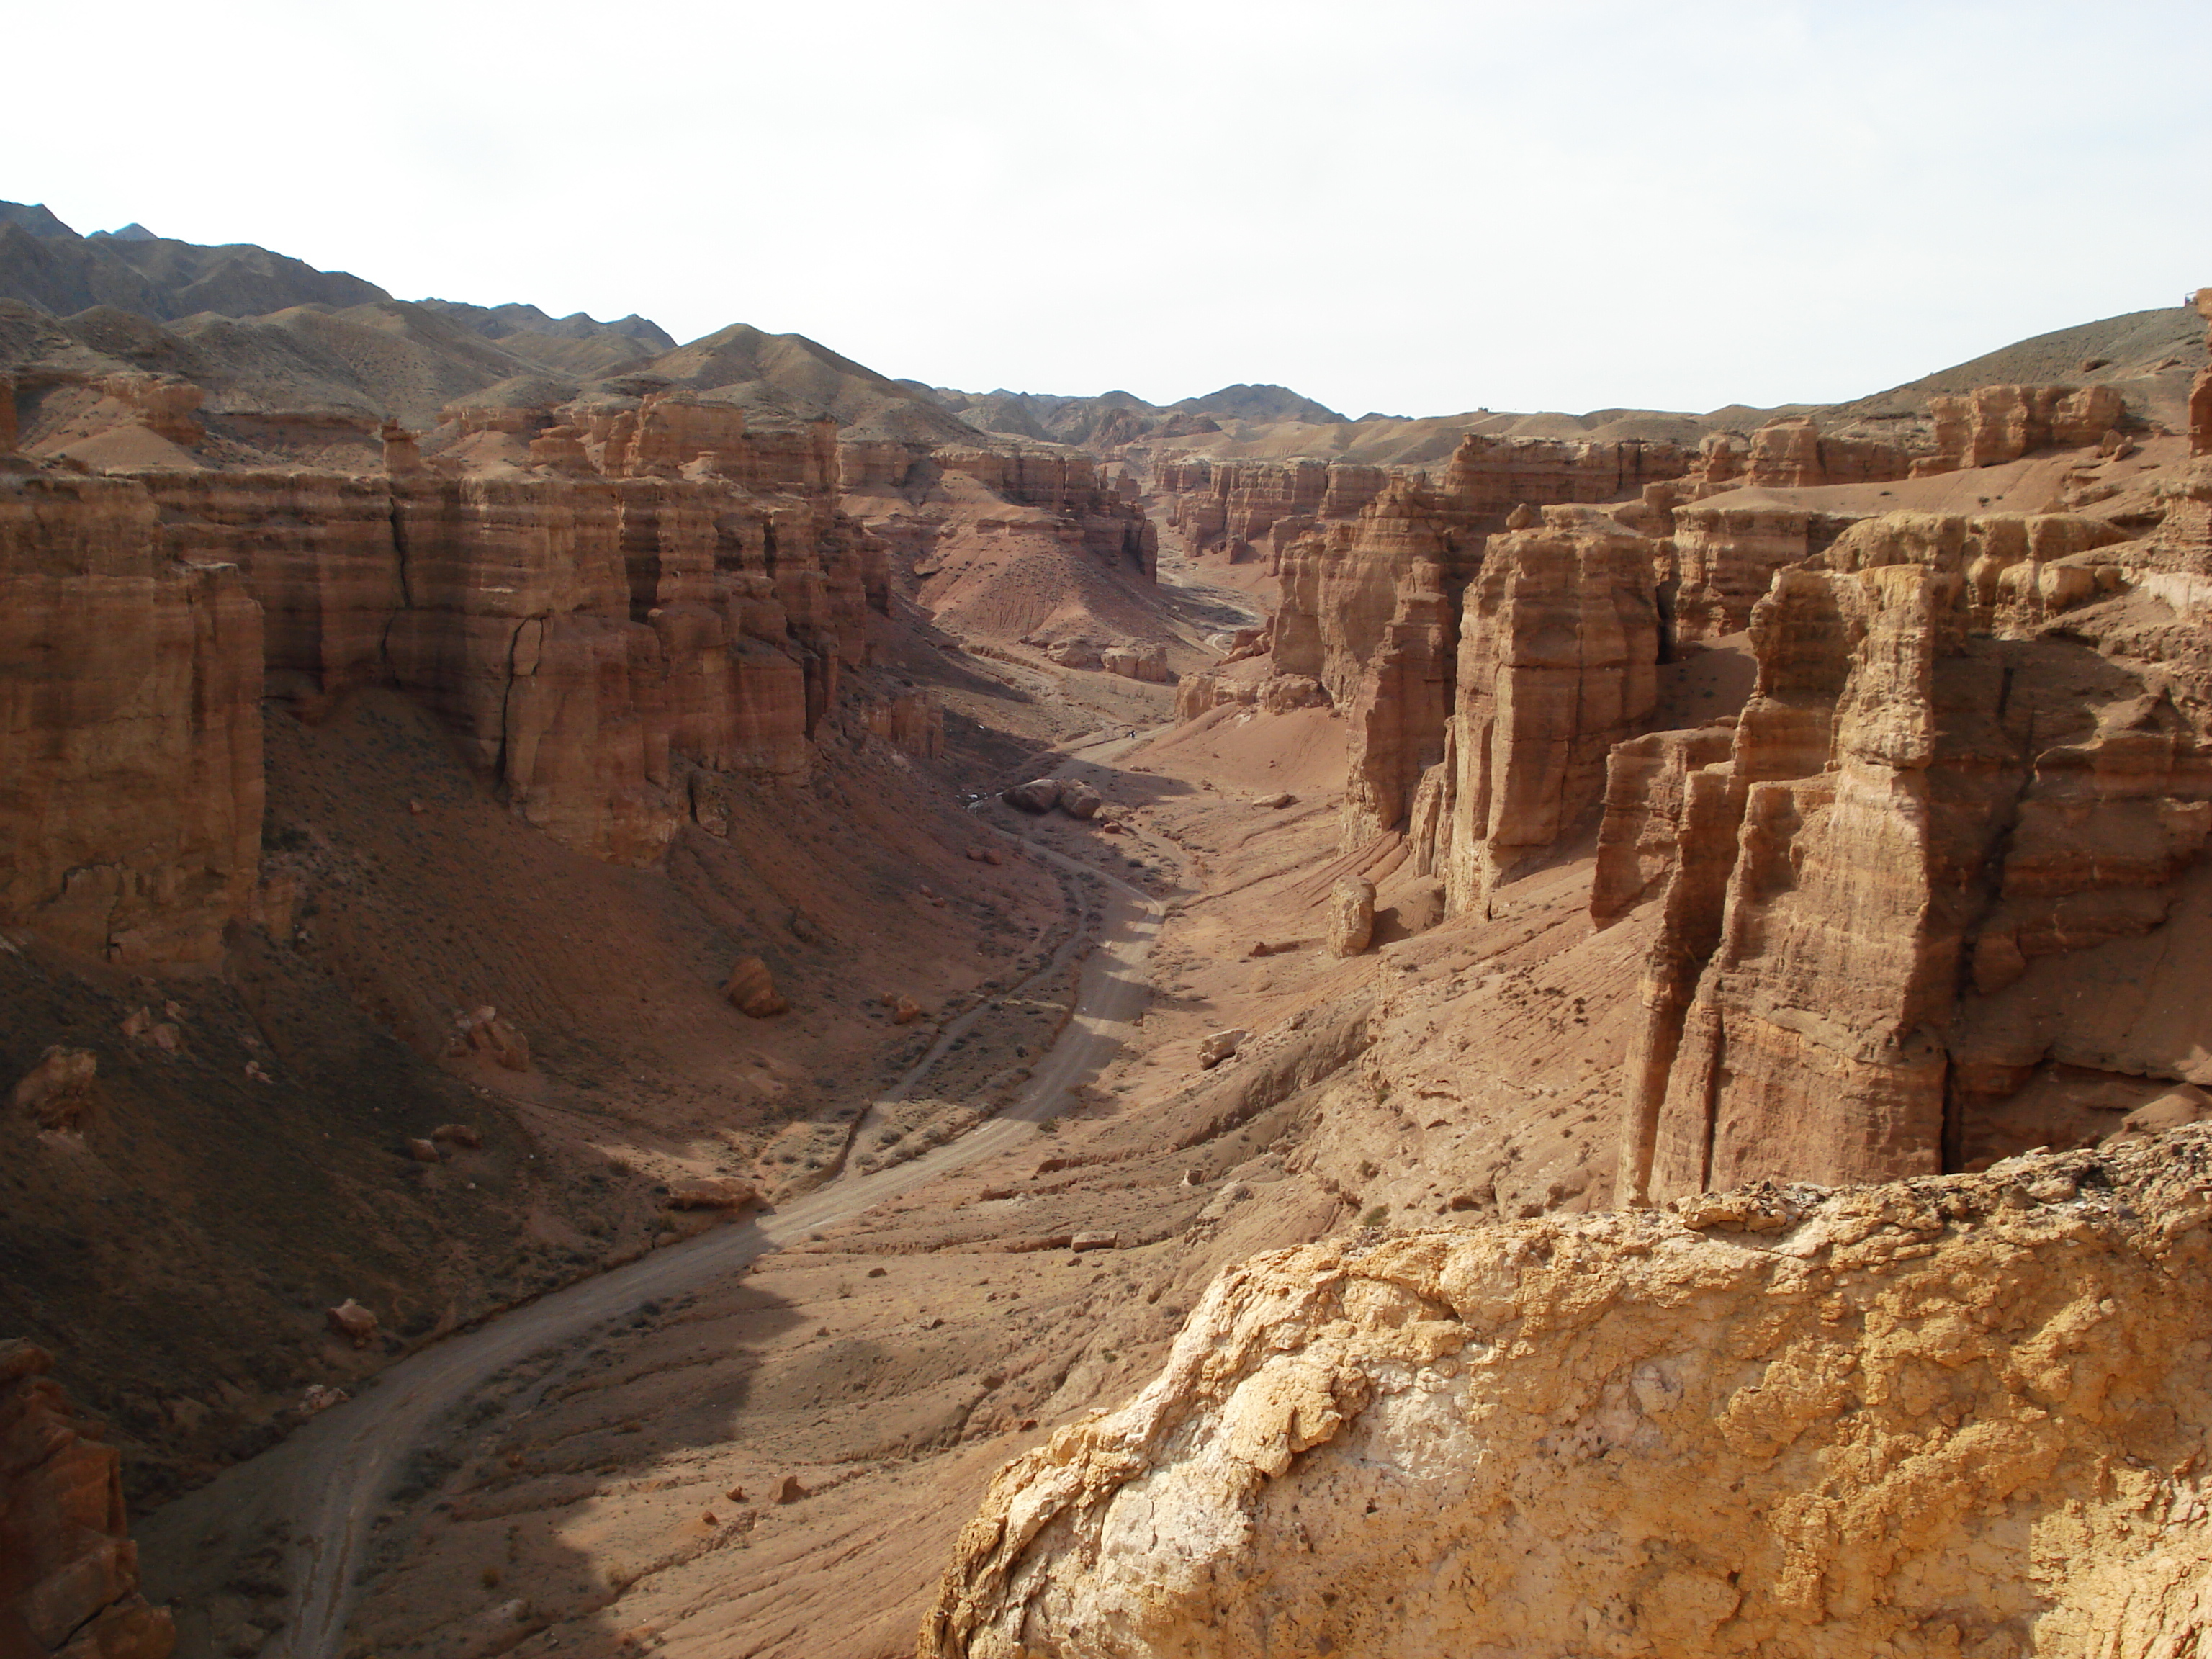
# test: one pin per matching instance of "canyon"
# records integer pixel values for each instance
(682, 995)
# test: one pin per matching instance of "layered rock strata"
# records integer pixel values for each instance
(130, 828)
(1558, 663)
(1725, 555)
(1936, 784)
(1237, 506)
(591, 641)
(68, 1572)
(1950, 1415)
(1104, 522)
(1998, 423)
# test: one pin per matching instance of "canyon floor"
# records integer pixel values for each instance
(708, 1450)
(664, 997)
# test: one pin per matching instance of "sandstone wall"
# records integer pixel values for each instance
(1069, 482)
(1959, 1415)
(1557, 662)
(1238, 504)
(1998, 423)
(130, 825)
(1930, 791)
(588, 640)
(1496, 475)
(1724, 557)
(69, 1573)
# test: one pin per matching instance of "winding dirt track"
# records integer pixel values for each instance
(329, 1479)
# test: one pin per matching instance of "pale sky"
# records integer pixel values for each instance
(1402, 205)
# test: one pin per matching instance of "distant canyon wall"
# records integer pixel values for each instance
(1906, 892)
(591, 642)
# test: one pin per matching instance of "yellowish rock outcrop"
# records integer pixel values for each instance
(1959, 1415)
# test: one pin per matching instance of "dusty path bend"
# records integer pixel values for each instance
(327, 1483)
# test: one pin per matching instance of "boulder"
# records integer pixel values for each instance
(482, 1032)
(752, 990)
(352, 1322)
(57, 1093)
(425, 1151)
(1137, 662)
(709, 1192)
(1037, 795)
(1079, 800)
(1351, 916)
(1074, 653)
(904, 1009)
(458, 1135)
(985, 855)
(1095, 1242)
(1219, 1047)
(1276, 801)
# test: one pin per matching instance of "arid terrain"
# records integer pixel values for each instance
(680, 996)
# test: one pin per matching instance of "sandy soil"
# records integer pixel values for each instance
(713, 1470)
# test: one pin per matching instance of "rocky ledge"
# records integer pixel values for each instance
(1957, 1414)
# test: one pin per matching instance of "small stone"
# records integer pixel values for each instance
(752, 990)
(1351, 916)
(353, 1322)
(58, 1093)
(1220, 1046)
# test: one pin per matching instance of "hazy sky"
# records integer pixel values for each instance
(1413, 207)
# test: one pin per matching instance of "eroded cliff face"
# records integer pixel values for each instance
(1235, 507)
(1965, 757)
(69, 1575)
(132, 736)
(1558, 663)
(591, 641)
(1957, 1414)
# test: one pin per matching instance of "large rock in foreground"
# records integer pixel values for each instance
(1953, 1415)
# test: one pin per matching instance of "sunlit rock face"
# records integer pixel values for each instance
(1781, 1419)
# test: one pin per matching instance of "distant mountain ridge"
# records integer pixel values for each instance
(1119, 417)
(45, 262)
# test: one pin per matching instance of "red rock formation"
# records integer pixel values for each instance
(1998, 423)
(1557, 662)
(1791, 452)
(1275, 694)
(2200, 389)
(1339, 583)
(1066, 482)
(589, 640)
(1907, 806)
(912, 723)
(1495, 475)
(1235, 504)
(1725, 555)
(1649, 799)
(1404, 706)
(69, 1575)
(132, 818)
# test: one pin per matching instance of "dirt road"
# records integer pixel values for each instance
(327, 1484)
